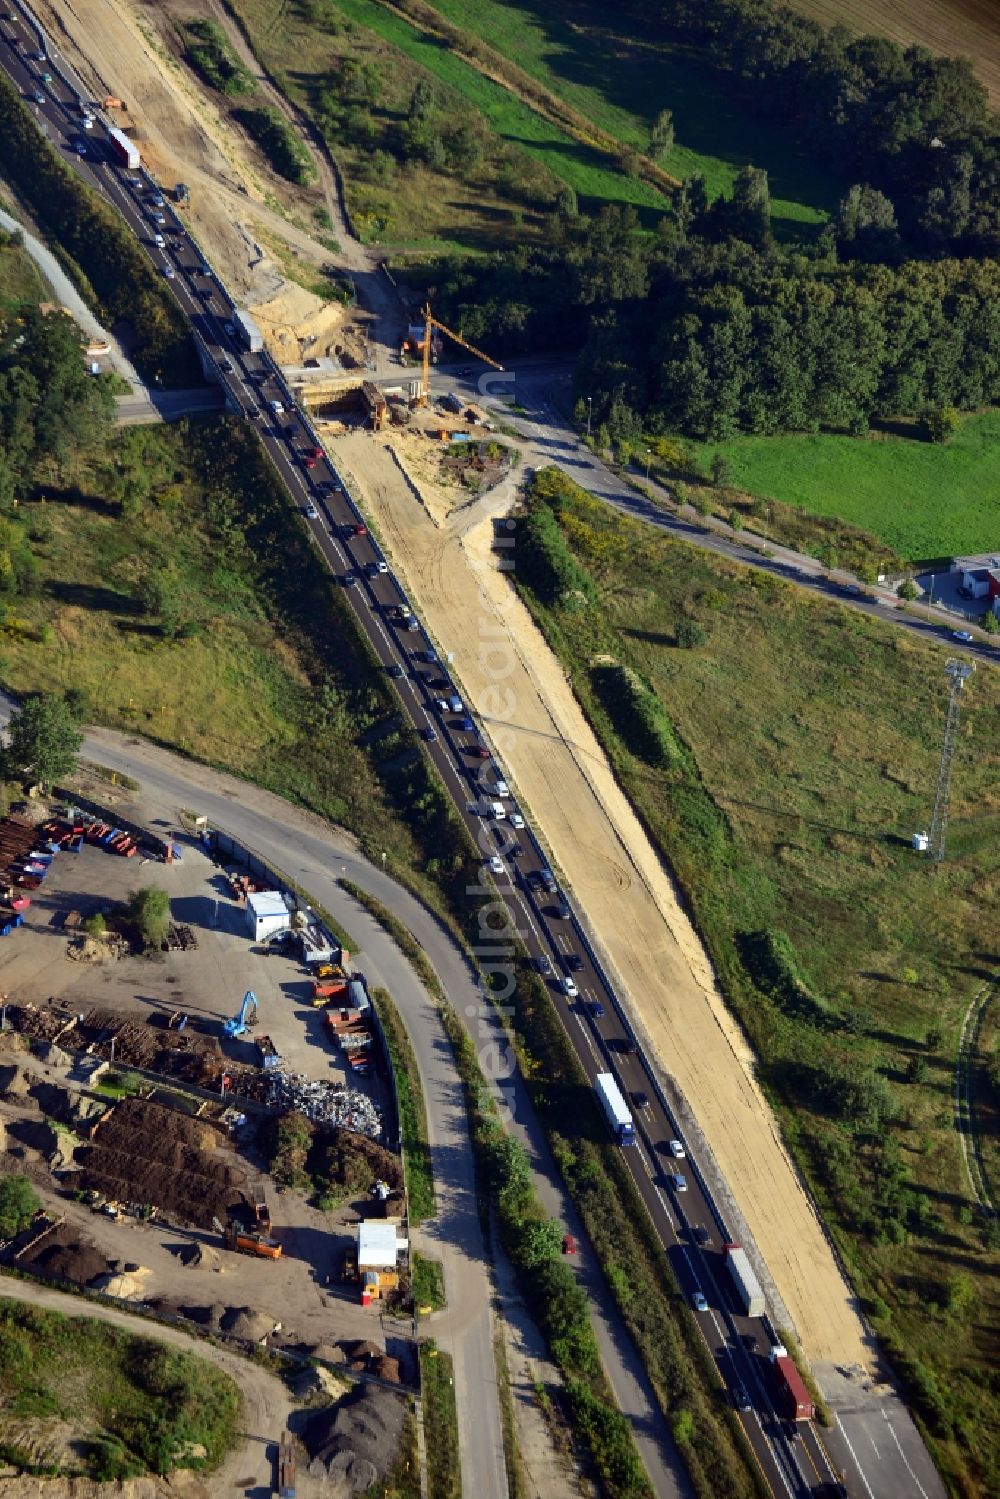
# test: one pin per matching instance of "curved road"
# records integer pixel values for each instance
(266, 1401)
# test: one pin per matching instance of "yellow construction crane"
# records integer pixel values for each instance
(431, 322)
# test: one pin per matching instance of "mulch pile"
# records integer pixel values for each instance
(356, 1440)
(146, 1154)
(61, 1255)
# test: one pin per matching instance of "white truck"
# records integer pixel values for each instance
(247, 332)
(745, 1283)
(609, 1096)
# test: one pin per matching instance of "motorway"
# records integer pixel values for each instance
(793, 1457)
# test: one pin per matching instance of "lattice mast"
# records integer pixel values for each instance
(958, 672)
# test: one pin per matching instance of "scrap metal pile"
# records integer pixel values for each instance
(325, 1103)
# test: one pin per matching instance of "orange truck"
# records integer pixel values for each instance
(252, 1243)
(326, 990)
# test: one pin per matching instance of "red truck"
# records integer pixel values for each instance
(792, 1399)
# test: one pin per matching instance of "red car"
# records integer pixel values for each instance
(308, 461)
(570, 1246)
(315, 452)
(359, 530)
(479, 751)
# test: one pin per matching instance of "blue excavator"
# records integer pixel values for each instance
(241, 1023)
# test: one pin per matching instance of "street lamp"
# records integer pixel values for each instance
(590, 411)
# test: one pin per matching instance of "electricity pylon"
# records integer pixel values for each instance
(959, 673)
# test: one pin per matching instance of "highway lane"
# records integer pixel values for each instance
(793, 1460)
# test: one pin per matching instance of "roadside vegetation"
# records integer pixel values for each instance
(21, 284)
(209, 53)
(437, 1392)
(412, 1110)
(427, 1284)
(109, 267)
(280, 142)
(849, 960)
(141, 1407)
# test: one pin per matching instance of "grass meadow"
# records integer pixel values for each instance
(806, 739)
(921, 499)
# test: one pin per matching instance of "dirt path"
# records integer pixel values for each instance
(563, 776)
(266, 1402)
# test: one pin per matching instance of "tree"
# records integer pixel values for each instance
(939, 424)
(150, 910)
(689, 634)
(18, 1205)
(538, 1242)
(721, 471)
(750, 207)
(865, 224)
(661, 135)
(43, 740)
(162, 594)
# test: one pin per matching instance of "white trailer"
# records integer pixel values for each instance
(125, 151)
(745, 1283)
(248, 333)
(616, 1111)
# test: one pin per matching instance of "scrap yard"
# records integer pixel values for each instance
(141, 1096)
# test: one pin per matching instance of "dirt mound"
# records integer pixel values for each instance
(13, 1083)
(126, 1285)
(356, 1440)
(297, 324)
(36, 1134)
(145, 1153)
(62, 1256)
(59, 1103)
(244, 1322)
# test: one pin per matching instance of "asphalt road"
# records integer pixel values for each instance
(793, 1457)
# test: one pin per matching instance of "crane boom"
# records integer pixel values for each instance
(430, 321)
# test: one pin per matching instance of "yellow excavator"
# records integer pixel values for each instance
(431, 322)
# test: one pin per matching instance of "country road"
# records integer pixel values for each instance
(266, 1401)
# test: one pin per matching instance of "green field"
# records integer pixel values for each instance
(796, 751)
(20, 282)
(621, 82)
(586, 172)
(104, 1403)
(922, 499)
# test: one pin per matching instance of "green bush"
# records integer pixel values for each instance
(19, 1202)
(283, 147)
(637, 714)
(209, 53)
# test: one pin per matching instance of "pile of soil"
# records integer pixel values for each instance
(356, 1440)
(63, 1256)
(354, 1160)
(246, 1323)
(13, 1083)
(147, 1154)
(196, 1059)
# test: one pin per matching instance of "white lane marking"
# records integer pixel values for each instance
(851, 1450)
(903, 1455)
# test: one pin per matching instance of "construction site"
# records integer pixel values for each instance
(149, 1122)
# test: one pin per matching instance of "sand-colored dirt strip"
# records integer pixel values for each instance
(508, 672)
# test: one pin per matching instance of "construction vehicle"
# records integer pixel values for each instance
(430, 323)
(177, 1021)
(110, 102)
(326, 989)
(241, 1023)
(251, 1241)
(286, 1467)
(182, 193)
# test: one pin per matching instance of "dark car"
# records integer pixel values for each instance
(640, 1099)
(741, 1399)
(533, 879)
(479, 752)
(466, 725)
(573, 962)
(544, 966)
(596, 1009)
(350, 579)
(428, 734)
(430, 656)
(395, 671)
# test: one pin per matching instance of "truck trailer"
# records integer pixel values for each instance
(248, 333)
(125, 152)
(615, 1110)
(745, 1283)
(792, 1399)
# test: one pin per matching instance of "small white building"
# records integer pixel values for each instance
(267, 913)
(378, 1246)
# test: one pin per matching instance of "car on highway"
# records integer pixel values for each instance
(562, 909)
(87, 122)
(395, 671)
(544, 966)
(39, 56)
(314, 452)
(568, 987)
(965, 636)
(496, 864)
(501, 788)
(159, 241)
(676, 1150)
(466, 725)
(533, 879)
(157, 200)
(573, 962)
(516, 820)
(596, 1009)
(357, 529)
(430, 656)
(38, 96)
(203, 270)
(678, 1182)
(428, 734)
(80, 147)
(479, 752)
(227, 365)
(311, 511)
(640, 1099)
(306, 461)
(275, 406)
(698, 1301)
(350, 579)
(169, 272)
(701, 1235)
(230, 331)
